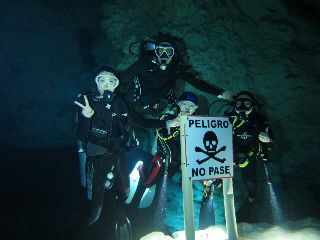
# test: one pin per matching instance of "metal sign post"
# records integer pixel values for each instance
(187, 190)
(229, 211)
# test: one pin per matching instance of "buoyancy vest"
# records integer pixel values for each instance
(110, 124)
(245, 137)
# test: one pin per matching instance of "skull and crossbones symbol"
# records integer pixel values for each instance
(210, 142)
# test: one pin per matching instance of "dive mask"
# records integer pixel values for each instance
(168, 50)
(243, 105)
(106, 81)
(164, 52)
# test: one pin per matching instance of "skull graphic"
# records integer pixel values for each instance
(210, 141)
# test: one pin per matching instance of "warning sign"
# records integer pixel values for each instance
(209, 151)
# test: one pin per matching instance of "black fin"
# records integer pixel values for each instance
(124, 231)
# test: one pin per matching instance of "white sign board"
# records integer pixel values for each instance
(209, 150)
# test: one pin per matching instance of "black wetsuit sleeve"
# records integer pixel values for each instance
(268, 130)
(197, 82)
(262, 122)
(133, 70)
(137, 119)
(83, 127)
(127, 78)
(265, 126)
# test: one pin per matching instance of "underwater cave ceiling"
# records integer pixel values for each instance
(264, 46)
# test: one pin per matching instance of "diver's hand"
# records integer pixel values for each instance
(264, 137)
(227, 95)
(87, 111)
(173, 123)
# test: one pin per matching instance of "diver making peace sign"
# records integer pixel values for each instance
(105, 130)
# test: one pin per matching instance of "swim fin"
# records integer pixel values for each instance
(123, 230)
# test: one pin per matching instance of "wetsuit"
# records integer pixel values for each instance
(105, 136)
(148, 84)
(169, 143)
(246, 150)
(247, 147)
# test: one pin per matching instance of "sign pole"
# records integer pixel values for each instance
(187, 190)
(231, 222)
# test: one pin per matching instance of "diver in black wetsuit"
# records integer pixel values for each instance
(169, 139)
(154, 75)
(167, 158)
(104, 127)
(252, 138)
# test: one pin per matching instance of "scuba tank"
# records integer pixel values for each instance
(82, 158)
(145, 48)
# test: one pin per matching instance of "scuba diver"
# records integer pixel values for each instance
(105, 132)
(167, 158)
(169, 139)
(153, 76)
(252, 139)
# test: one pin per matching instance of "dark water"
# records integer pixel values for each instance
(41, 194)
(41, 198)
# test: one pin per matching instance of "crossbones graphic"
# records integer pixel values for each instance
(210, 142)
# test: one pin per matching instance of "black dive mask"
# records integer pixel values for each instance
(243, 105)
(108, 96)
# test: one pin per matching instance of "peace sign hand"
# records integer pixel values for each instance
(87, 111)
